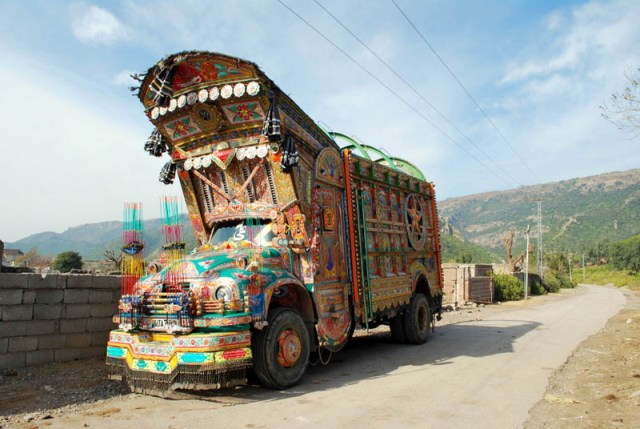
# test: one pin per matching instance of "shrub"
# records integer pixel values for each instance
(507, 287)
(552, 282)
(535, 286)
(67, 261)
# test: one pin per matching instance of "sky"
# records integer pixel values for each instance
(516, 86)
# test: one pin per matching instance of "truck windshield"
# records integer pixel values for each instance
(257, 231)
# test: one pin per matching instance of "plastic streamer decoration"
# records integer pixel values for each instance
(132, 248)
(173, 248)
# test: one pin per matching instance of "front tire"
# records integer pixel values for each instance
(417, 320)
(281, 349)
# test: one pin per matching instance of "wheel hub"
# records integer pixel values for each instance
(289, 348)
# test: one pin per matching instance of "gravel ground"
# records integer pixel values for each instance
(29, 397)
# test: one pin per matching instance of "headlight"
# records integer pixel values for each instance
(223, 293)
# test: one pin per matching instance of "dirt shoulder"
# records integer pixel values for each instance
(599, 385)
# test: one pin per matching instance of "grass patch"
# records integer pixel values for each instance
(603, 274)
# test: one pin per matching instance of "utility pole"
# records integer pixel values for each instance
(539, 260)
(584, 275)
(569, 261)
(526, 267)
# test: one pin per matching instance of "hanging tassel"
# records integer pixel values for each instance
(290, 154)
(155, 145)
(168, 173)
(271, 128)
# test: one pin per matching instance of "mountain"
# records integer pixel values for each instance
(92, 240)
(576, 214)
(456, 249)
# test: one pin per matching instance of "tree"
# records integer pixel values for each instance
(514, 264)
(116, 260)
(33, 259)
(623, 109)
(557, 274)
(625, 255)
(67, 261)
(464, 258)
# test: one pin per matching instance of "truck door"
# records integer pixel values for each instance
(331, 282)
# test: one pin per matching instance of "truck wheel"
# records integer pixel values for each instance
(417, 320)
(397, 329)
(281, 349)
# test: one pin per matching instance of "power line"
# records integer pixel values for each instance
(467, 92)
(415, 91)
(392, 92)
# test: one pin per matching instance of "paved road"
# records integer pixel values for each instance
(485, 373)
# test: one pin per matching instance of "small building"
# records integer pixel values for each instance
(9, 256)
(467, 283)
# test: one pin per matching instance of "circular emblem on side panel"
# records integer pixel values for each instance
(173, 103)
(203, 94)
(226, 91)
(197, 163)
(253, 88)
(415, 220)
(239, 89)
(188, 164)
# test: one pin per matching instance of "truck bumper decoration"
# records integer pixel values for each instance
(196, 361)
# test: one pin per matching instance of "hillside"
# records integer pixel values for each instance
(91, 240)
(576, 213)
(454, 249)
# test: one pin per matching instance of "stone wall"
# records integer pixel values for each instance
(55, 318)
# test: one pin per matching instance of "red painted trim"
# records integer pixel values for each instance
(436, 233)
(346, 153)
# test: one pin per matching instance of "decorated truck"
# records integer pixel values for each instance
(303, 236)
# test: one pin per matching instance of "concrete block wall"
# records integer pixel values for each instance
(55, 318)
(467, 283)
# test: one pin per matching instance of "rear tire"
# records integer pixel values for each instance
(417, 320)
(281, 349)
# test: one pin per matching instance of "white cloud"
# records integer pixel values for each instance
(124, 79)
(78, 164)
(94, 25)
(587, 39)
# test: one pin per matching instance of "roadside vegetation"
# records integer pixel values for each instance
(616, 263)
(558, 275)
(463, 252)
(604, 274)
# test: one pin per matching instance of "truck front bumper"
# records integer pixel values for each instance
(163, 362)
